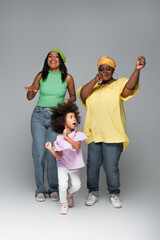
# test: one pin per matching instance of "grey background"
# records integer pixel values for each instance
(84, 31)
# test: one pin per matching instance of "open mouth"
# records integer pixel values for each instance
(53, 62)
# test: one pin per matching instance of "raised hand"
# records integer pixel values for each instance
(99, 77)
(140, 62)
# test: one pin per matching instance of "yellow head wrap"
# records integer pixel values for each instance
(109, 61)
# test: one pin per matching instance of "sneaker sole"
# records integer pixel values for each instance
(91, 204)
(55, 199)
(39, 200)
(70, 206)
(115, 206)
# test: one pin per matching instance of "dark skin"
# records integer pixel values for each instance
(105, 76)
(33, 89)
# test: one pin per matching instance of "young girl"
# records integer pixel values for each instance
(67, 150)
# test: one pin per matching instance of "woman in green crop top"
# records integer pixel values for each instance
(52, 82)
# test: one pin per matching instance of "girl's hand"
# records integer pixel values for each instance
(48, 145)
(31, 89)
(140, 62)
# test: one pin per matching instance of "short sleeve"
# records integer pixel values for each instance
(124, 81)
(80, 137)
(61, 144)
(78, 92)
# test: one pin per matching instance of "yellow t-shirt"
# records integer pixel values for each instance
(105, 119)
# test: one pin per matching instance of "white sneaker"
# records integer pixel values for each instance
(91, 200)
(54, 196)
(40, 197)
(115, 201)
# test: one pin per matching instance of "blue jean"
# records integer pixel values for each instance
(41, 133)
(107, 154)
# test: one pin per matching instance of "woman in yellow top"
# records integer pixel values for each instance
(105, 125)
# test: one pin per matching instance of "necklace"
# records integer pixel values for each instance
(107, 82)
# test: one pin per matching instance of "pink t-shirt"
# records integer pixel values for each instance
(71, 158)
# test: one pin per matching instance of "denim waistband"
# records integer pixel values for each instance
(43, 108)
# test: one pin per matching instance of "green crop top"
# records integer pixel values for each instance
(52, 90)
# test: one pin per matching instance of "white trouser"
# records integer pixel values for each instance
(63, 174)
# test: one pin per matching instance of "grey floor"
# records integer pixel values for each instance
(24, 218)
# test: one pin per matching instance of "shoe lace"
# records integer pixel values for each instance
(89, 196)
(54, 196)
(41, 195)
(116, 198)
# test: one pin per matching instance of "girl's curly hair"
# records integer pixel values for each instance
(58, 116)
